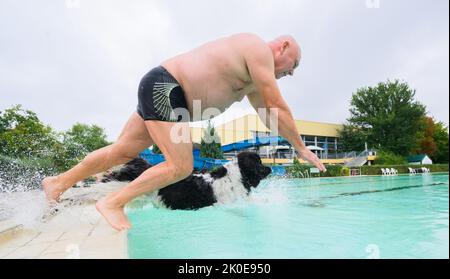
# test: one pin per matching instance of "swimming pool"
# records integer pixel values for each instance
(358, 217)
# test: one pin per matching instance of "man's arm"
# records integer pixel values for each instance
(268, 96)
(293, 138)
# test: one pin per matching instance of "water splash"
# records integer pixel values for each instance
(271, 191)
(25, 208)
(23, 202)
(20, 199)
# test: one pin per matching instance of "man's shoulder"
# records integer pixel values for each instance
(251, 45)
(248, 38)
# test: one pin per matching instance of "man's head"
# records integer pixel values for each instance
(286, 54)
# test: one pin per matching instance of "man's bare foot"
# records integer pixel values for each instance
(113, 214)
(53, 190)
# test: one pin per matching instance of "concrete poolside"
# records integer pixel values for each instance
(76, 231)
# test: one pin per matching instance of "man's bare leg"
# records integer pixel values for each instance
(178, 165)
(133, 139)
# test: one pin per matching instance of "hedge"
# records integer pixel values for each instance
(402, 169)
(300, 170)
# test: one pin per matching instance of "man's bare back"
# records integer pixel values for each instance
(215, 73)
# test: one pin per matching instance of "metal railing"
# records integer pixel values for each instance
(343, 155)
(289, 155)
(361, 159)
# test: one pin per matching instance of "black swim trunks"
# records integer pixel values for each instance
(160, 97)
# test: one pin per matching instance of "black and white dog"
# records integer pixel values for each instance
(228, 183)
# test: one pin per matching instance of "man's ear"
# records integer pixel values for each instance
(284, 47)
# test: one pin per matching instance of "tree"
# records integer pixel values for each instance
(427, 144)
(389, 115)
(23, 135)
(352, 138)
(210, 144)
(434, 140)
(389, 158)
(90, 137)
(25, 139)
(156, 149)
(441, 139)
(80, 140)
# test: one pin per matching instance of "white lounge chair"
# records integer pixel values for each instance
(314, 171)
(425, 170)
(394, 171)
(388, 171)
(412, 171)
(383, 172)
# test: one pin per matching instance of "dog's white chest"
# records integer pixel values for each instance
(229, 188)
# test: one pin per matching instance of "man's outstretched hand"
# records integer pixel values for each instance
(309, 156)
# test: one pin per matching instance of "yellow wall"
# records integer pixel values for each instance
(318, 128)
(241, 129)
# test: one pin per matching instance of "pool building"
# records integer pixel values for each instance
(322, 138)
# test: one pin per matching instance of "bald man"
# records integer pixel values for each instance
(214, 75)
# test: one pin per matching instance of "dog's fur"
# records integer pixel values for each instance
(227, 183)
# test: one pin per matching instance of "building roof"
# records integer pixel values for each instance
(417, 158)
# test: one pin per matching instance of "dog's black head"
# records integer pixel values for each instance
(252, 169)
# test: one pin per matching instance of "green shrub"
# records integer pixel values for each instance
(345, 171)
(438, 167)
(333, 171)
(389, 158)
(298, 170)
(210, 146)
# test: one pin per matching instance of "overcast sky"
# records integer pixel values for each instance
(81, 61)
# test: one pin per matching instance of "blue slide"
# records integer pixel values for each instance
(199, 163)
(207, 163)
(255, 142)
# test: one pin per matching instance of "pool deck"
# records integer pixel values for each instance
(76, 232)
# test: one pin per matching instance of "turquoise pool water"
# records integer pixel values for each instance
(360, 217)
